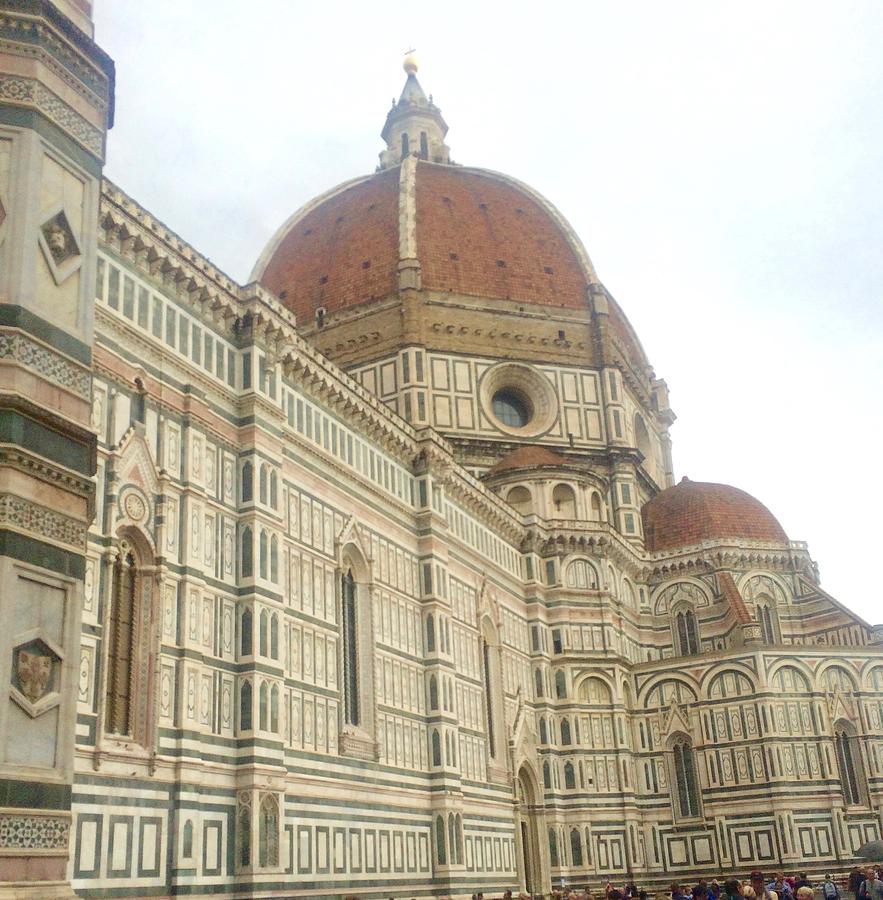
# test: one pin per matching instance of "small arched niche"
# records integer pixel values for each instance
(520, 499)
(563, 502)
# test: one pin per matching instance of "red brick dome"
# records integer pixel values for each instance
(696, 511)
(478, 233)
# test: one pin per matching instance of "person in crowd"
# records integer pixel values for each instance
(677, 892)
(830, 888)
(700, 891)
(781, 887)
(873, 886)
(714, 889)
(732, 889)
(758, 883)
(856, 877)
(802, 881)
(748, 892)
(805, 892)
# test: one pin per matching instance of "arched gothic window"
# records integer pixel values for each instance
(538, 683)
(766, 618)
(247, 489)
(488, 697)
(433, 692)
(274, 559)
(264, 554)
(246, 564)
(424, 145)
(565, 732)
(849, 764)
(553, 848)
(274, 489)
(243, 831)
(436, 748)
(264, 633)
(686, 783)
(560, 684)
(264, 706)
(687, 632)
(187, 840)
(544, 734)
(569, 777)
(440, 852)
(245, 630)
(576, 847)
(268, 834)
(547, 776)
(263, 484)
(274, 709)
(274, 637)
(406, 145)
(245, 706)
(452, 839)
(430, 632)
(122, 644)
(350, 650)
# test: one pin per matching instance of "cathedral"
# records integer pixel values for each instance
(372, 576)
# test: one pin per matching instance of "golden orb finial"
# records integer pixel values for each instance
(410, 63)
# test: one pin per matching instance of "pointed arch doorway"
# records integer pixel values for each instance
(527, 832)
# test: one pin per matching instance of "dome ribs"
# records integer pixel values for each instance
(502, 240)
(321, 261)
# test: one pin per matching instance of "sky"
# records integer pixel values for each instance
(722, 163)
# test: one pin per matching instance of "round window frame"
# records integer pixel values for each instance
(528, 384)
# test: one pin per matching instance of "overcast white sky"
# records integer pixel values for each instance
(723, 164)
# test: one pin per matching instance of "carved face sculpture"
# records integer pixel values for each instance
(57, 241)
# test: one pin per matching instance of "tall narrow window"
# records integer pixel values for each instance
(440, 854)
(247, 489)
(268, 855)
(245, 706)
(687, 633)
(406, 146)
(264, 633)
(121, 645)
(569, 777)
(489, 709)
(849, 778)
(264, 551)
(245, 633)
(246, 564)
(263, 484)
(553, 848)
(244, 830)
(685, 779)
(767, 624)
(350, 651)
(424, 146)
(560, 685)
(565, 732)
(264, 706)
(436, 749)
(576, 847)
(274, 559)
(433, 692)
(430, 632)
(452, 839)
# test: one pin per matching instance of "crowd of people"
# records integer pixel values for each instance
(863, 884)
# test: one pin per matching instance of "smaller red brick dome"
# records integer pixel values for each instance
(530, 456)
(696, 511)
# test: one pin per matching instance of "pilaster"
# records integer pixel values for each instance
(56, 97)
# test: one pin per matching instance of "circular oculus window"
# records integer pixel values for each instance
(518, 399)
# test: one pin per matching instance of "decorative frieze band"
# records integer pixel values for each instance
(23, 831)
(29, 92)
(41, 521)
(46, 362)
